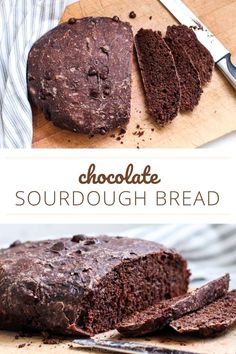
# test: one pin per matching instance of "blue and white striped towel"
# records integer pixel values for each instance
(22, 22)
(209, 249)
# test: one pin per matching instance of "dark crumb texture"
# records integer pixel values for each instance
(22, 345)
(159, 315)
(51, 341)
(159, 75)
(79, 74)
(190, 83)
(211, 320)
(199, 55)
(83, 286)
(132, 14)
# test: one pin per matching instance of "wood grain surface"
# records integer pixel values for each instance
(222, 345)
(215, 116)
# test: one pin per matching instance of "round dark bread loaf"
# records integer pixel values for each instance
(79, 74)
(199, 55)
(210, 320)
(159, 76)
(159, 315)
(83, 286)
(190, 83)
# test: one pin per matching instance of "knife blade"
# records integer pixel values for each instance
(220, 54)
(125, 347)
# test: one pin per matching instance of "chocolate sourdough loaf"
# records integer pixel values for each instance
(199, 55)
(79, 74)
(211, 320)
(159, 76)
(84, 286)
(161, 314)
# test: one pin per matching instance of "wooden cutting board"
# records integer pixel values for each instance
(225, 344)
(215, 116)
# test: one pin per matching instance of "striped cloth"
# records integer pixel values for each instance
(209, 249)
(22, 22)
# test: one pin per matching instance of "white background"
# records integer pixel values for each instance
(194, 170)
(225, 142)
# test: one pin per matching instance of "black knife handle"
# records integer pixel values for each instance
(228, 69)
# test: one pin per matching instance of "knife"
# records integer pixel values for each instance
(124, 347)
(220, 54)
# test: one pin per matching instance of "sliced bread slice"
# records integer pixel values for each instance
(190, 83)
(159, 76)
(157, 316)
(199, 55)
(210, 320)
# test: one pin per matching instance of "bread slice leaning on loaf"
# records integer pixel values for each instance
(211, 320)
(161, 314)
